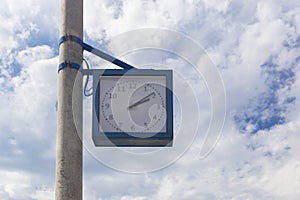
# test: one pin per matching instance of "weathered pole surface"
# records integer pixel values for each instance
(68, 183)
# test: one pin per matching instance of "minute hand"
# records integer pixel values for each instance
(143, 100)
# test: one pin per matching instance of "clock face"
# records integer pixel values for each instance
(132, 104)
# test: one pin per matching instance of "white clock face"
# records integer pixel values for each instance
(132, 104)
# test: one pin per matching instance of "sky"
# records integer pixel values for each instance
(252, 45)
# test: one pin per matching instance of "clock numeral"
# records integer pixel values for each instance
(107, 105)
(145, 124)
(112, 96)
(155, 117)
(132, 85)
(110, 117)
(121, 88)
(145, 88)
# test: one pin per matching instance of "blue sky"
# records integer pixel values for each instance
(255, 46)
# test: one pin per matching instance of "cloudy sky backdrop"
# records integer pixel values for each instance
(254, 44)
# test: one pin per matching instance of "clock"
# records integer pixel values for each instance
(133, 108)
(132, 104)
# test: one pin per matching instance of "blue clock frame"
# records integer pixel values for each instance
(123, 139)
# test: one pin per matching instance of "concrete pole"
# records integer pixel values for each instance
(68, 183)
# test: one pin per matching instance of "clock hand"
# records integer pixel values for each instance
(138, 103)
(143, 100)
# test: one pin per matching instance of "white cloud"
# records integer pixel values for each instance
(28, 97)
(23, 23)
(27, 124)
(20, 185)
(6, 33)
(218, 5)
(265, 166)
(101, 20)
(43, 193)
(240, 36)
(32, 98)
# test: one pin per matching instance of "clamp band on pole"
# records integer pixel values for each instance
(63, 39)
(70, 64)
(70, 38)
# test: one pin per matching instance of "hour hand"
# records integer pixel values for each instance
(143, 100)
